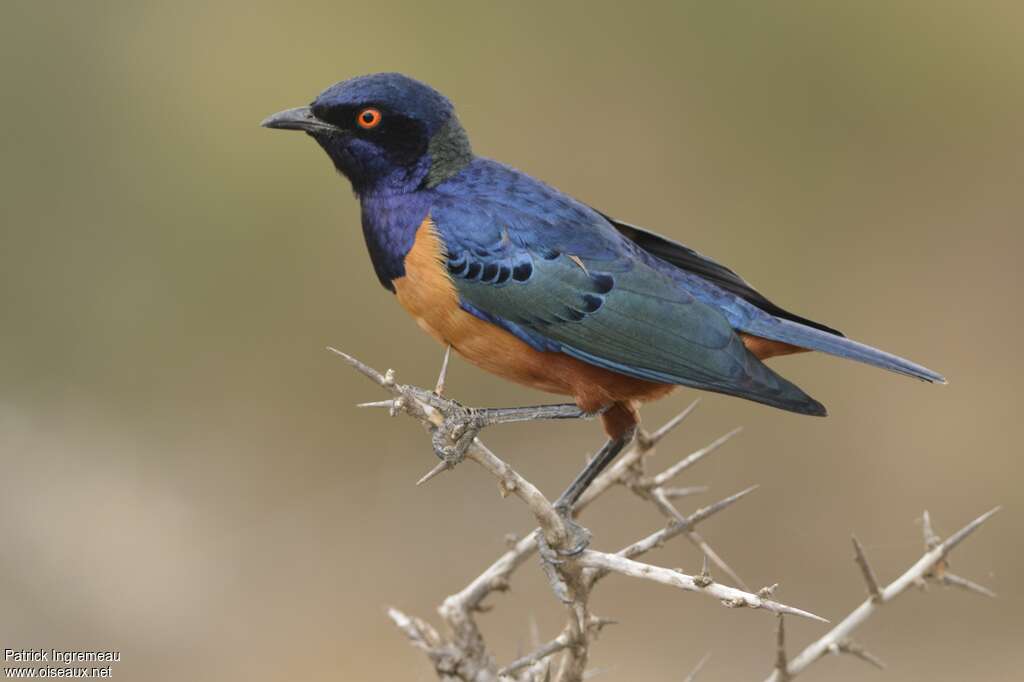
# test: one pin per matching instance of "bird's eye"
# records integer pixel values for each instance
(368, 118)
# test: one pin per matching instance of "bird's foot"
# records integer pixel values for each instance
(456, 433)
(577, 540)
(462, 424)
(551, 558)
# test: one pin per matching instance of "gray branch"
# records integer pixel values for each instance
(931, 566)
(462, 653)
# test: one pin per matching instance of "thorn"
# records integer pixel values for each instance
(848, 646)
(704, 579)
(958, 537)
(662, 502)
(671, 424)
(360, 366)
(767, 592)
(792, 611)
(965, 584)
(931, 540)
(704, 547)
(781, 660)
(441, 466)
(676, 493)
(692, 677)
(378, 403)
(691, 459)
(706, 512)
(597, 624)
(865, 568)
(443, 374)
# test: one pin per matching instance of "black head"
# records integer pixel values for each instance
(386, 132)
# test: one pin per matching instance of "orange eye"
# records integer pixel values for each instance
(368, 118)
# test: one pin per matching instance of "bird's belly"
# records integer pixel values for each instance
(427, 292)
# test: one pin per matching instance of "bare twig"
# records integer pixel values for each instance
(674, 528)
(929, 566)
(688, 461)
(781, 660)
(848, 646)
(865, 569)
(462, 654)
(553, 647)
(670, 425)
(951, 580)
(728, 596)
(676, 493)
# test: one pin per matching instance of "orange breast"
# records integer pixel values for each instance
(428, 294)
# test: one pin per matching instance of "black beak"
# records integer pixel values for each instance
(299, 118)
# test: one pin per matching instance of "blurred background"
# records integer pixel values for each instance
(186, 478)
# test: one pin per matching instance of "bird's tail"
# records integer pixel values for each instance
(840, 346)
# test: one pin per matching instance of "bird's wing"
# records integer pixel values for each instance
(583, 290)
(779, 324)
(689, 260)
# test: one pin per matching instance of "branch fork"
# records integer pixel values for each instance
(462, 653)
(931, 567)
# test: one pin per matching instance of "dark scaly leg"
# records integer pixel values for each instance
(463, 424)
(598, 463)
(487, 416)
(620, 421)
(579, 537)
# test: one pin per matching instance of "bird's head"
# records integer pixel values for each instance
(386, 132)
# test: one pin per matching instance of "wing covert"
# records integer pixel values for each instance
(608, 309)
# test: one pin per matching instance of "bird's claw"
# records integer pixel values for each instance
(577, 540)
(456, 433)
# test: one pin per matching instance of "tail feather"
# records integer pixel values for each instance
(814, 339)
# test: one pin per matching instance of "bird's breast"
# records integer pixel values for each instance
(427, 293)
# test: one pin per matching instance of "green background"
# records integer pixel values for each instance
(185, 477)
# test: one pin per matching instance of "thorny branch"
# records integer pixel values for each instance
(930, 567)
(462, 653)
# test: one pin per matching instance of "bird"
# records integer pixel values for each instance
(537, 287)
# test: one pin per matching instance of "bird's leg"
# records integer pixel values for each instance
(487, 416)
(579, 537)
(462, 424)
(598, 463)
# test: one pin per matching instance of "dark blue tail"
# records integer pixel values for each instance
(840, 346)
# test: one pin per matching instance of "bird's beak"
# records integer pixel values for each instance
(299, 118)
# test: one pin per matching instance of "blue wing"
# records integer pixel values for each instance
(559, 276)
(749, 311)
